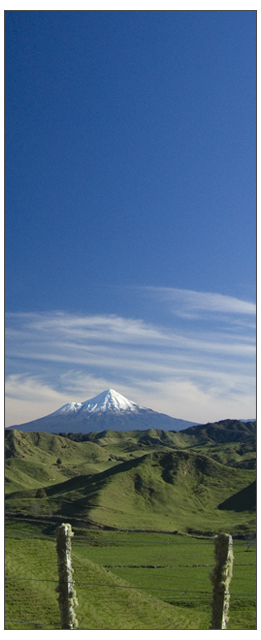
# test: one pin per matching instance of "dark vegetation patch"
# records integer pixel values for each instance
(244, 500)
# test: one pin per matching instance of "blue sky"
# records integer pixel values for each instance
(130, 210)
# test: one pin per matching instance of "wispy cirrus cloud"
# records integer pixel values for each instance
(189, 304)
(60, 357)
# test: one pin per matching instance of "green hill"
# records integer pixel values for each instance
(223, 431)
(106, 601)
(31, 459)
(162, 490)
(126, 481)
(127, 485)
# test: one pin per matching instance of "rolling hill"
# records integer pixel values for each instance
(149, 480)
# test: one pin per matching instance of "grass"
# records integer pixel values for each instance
(151, 482)
(31, 459)
(123, 581)
(157, 488)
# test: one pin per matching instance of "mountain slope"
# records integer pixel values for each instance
(108, 400)
(224, 431)
(108, 410)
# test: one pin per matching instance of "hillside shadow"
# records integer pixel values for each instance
(87, 480)
(244, 500)
(90, 485)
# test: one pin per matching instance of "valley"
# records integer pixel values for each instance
(137, 480)
(144, 507)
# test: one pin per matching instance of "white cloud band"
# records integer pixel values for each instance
(44, 349)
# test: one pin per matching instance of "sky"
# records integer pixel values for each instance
(130, 210)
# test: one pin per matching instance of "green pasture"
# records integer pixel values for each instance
(129, 488)
(123, 581)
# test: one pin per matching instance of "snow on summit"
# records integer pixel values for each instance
(107, 411)
(70, 407)
(108, 400)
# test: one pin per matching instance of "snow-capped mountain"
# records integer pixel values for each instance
(108, 400)
(107, 411)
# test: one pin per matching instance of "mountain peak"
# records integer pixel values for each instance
(108, 410)
(109, 400)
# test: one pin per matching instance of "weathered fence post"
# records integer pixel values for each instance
(67, 595)
(221, 577)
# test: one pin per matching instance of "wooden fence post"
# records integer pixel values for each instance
(67, 595)
(221, 577)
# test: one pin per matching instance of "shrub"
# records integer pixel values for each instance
(40, 493)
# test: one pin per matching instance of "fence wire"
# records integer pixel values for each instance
(120, 586)
(166, 594)
(117, 543)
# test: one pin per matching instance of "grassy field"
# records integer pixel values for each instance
(123, 581)
(135, 501)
